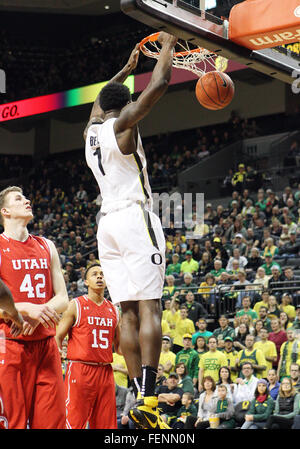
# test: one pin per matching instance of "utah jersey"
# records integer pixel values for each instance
(92, 335)
(25, 269)
(122, 179)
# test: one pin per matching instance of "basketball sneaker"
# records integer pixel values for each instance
(145, 414)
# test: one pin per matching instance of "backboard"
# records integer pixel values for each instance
(206, 30)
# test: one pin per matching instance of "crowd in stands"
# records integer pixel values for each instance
(241, 370)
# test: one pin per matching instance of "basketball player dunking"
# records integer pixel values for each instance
(32, 382)
(131, 242)
(92, 323)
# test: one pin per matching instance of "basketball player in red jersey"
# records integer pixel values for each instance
(132, 255)
(8, 307)
(32, 383)
(92, 323)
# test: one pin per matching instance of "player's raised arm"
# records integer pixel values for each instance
(135, 111)
(9, 310)
(120, 77)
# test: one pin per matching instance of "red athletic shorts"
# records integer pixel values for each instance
(32, 385)
(3, 419)
(90, 396)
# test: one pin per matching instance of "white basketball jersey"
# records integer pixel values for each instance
(121, 178)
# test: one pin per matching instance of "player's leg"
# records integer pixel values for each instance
(79, 395)
(150, 336)
(145, 414)
(48, 404)
(104, 414)
(130, 343)
(17, 376)
(3, 418)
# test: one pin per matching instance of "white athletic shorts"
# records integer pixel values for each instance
(131, 246)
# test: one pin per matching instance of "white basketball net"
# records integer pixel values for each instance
(197, 60)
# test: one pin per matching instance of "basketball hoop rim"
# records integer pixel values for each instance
(154, 36)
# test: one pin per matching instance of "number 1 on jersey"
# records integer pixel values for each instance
(98, 154)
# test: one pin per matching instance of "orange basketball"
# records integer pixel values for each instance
(214, 90)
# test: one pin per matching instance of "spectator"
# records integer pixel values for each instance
(260, 408)
(223, 331)
(217, 270)
(246, 386)
(224, 408)
(276, 282)
(286, 406)
(268, 349)
(240, 286)
(273, 383)
(92, 259)
(121, 393)
(167, 357)
(239, 178)
(170, 288)
(188, 284)
(173, 315)
(246, 309)
(183, 326)
(225, 379)
(261, 279)
(231, 356)
(206, 406)
(207, 291)
(296, 322)
(211, 362)
(241, 332)
(123, 421)
(278, 336)
(286, 306)
(205, 264)
(291, 247)
(188, 409)
(74, 292)
(160, 378)
(195, 309)
(200, 346)
(174, 267)
(289, 353)
(203, 332)
(190, 265)
(295, 376)
(273, 310)
(254, 262)
(73, 275)
(169, 399)
(237, 256)
(239, 244)
(284, 321)
(264, 301)
(269, 247)
(185, 382)
(120, 370)
(269, 263)
(250, 354)
(189, 357)
(263, 316)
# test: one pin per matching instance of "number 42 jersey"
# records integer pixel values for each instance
(25, 267)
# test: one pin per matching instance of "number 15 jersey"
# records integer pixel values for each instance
(25, 267)
(91, 337)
